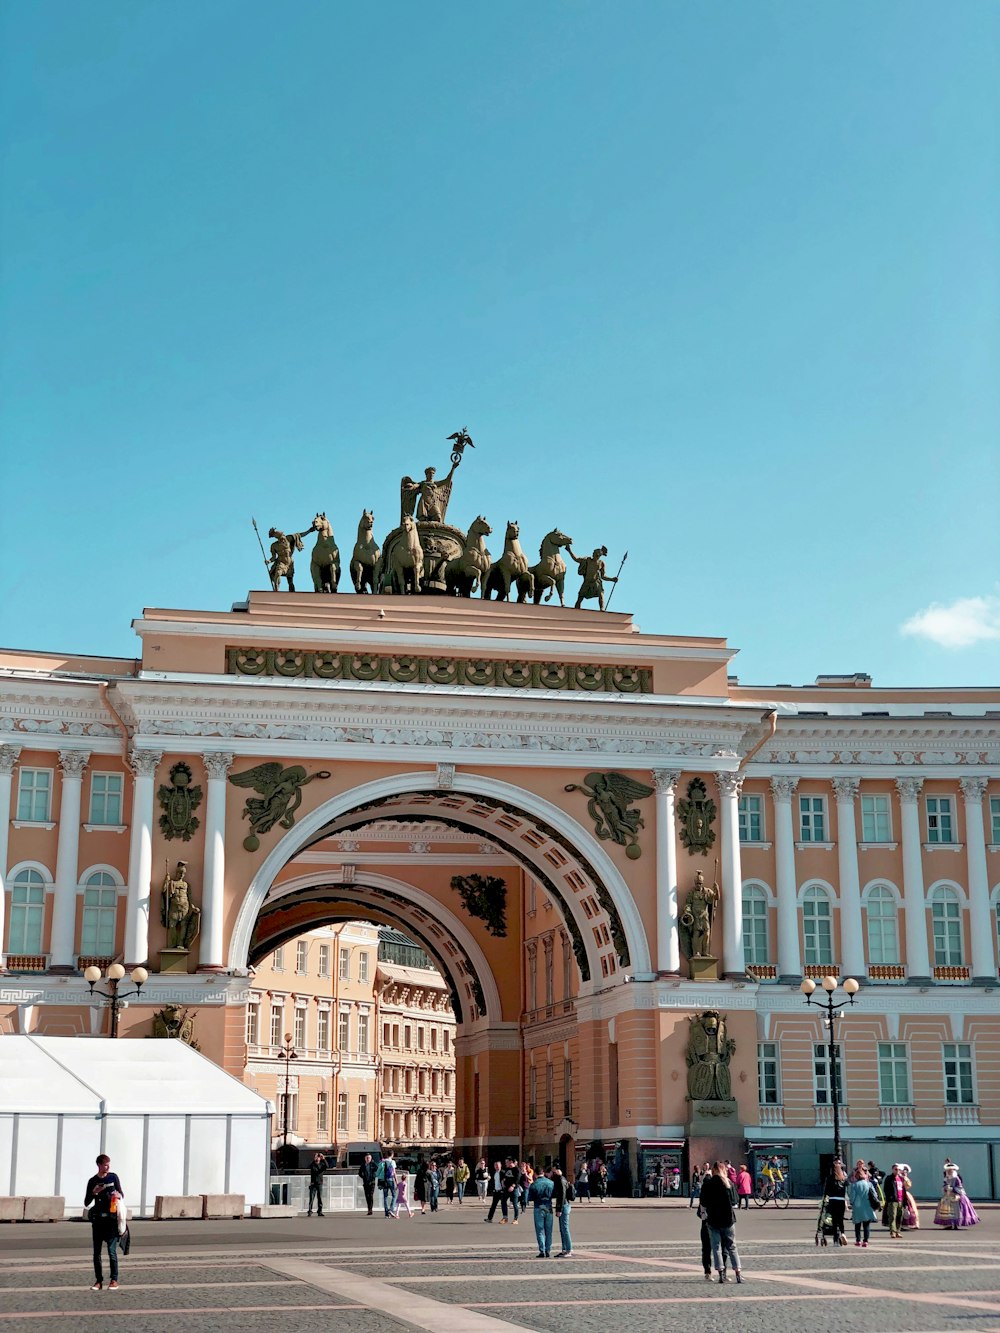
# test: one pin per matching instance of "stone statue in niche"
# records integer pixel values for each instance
(178, 913)
(698, 917)
(710, 1048)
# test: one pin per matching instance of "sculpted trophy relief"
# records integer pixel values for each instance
(426, 554)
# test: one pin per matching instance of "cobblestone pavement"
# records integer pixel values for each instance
(632, 1268)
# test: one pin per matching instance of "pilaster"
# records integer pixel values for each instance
(918, 963)
(63, 943)
(789, 948)
(668, 957)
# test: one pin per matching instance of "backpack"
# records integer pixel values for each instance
(570, 1192)
(380, 1173)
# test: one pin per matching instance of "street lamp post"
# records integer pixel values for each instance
(114, 998)
(851, 988)
(287, 1053)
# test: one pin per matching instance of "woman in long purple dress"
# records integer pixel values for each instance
(955, 1209)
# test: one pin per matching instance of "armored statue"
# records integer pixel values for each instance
(594, 575)
(282, 562)
(176, 1023)
(698, 917)
(709, 1051)
(433, 497)
(177, 910)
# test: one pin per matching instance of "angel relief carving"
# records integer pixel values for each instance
(281, 795)
(610, 796)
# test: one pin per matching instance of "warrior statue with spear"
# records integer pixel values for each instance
(594, 575)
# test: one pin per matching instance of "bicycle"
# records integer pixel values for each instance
(767, 1192)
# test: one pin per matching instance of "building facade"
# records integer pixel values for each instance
(452, 770)
(354, 1049)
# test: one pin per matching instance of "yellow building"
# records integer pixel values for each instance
(352, 1048)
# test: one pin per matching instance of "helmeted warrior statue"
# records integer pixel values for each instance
(282, 562)
(698, 917)
(594, 575)
(710, 1049)
(177, 910)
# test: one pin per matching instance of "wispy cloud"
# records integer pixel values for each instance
(959, 624)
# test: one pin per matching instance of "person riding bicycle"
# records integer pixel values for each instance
(772, 1172)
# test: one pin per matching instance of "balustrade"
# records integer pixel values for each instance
(896, 1115)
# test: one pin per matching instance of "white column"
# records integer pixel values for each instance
(140, 858)
(918, 960)
(8, 758)
(213, 894)
(984, 963)
(852, 942)
(668, 954)
(789, 949)
(733, 964)
(63, 943)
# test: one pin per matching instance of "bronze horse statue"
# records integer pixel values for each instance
(406, 561)
(550, 572)
(466, 572)
(325, 563)
(366, 556)
(510, 569)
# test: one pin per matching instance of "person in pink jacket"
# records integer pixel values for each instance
(744, 1186)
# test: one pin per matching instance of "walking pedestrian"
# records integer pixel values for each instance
(894, 1188)
(420, 1186)
(911, 1214)
(540, 1194)
(496, 1180)
(367, 1172)
(402, 1201)
(511, 1191)
(433, 1184)
(718, 1200)
(482, 1178)
(582, 1182)
(104, 1193)
(462, 1174)
(696, 1179)
(836, 1199)
(864, 1201)
(387, 1167)
(317, 1170)
(954, 1210)
(449, 1181)
(744, 1186)
(706, 1243)
(563, 1195)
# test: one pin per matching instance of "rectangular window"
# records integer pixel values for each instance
(299, 1028)
(756, 946)
(447, 1083)
(532, 1093)
(34, 795)
(277, 1023)
(568, 1089)
(345, 964)
(434, 1039)
(278, 959)
(100, 912)
(995, 820)
(946, 920)
(447, 1041)
(363, 1033)
(302, 957)
(342, 1112)
(395, 1036)
(812, 819)
(385, 1034)
(420, 1038)
(751, 810)
(324, 960)
(549, 973)
(549, 1087)
(292, 1102)
(106, 798)
(959, 1088)
(344, 1030)
(322, 1113)
(362, 1114)
(817, 930)
(939, 825)
(821, 1074)
(768, 1082)
(407, 1037)
(362, 966)
(893, 1074)
(253, 1023)
(532, 978)
(323, 1029)
(876, 819)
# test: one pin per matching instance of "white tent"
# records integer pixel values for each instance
(171, 1121)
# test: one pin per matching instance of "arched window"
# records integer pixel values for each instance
(756, 946)
(100, 912)
(946, 915)
(817, 927)
(27, 912)
(883, 929)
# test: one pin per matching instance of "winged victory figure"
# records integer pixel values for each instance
(610, 796)
(281, 792)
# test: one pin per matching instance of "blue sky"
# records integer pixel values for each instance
(718, 284)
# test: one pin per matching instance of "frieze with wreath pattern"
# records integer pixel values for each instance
(406, 669)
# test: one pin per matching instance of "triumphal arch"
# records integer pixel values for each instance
(589, 829)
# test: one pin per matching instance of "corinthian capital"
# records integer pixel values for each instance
(73, 762)
(143, 762)
(8, 757)
(665, 779)
(218, 765)
(730, 784)
(909, 789)
(974, 789)
(846, 789)
(783, 789)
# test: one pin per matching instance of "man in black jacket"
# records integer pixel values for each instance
(317, 1170)
(367, 1172)
(718, 1201)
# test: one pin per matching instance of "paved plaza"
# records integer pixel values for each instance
(634, 1267)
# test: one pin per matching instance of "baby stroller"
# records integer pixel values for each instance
(824, 1224)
